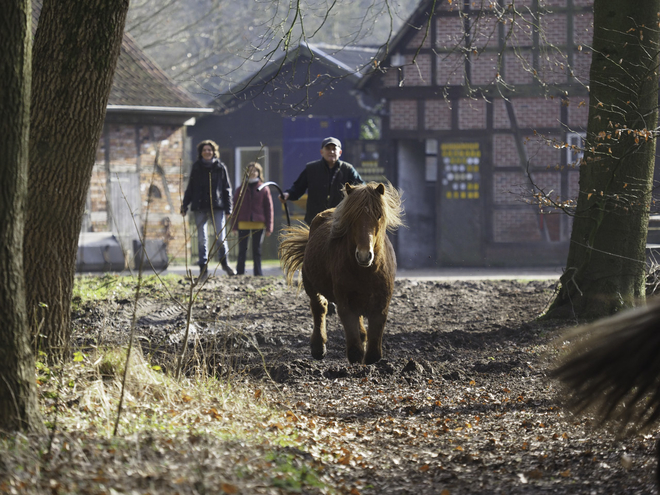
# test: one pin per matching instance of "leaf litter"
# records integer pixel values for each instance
(459, 404)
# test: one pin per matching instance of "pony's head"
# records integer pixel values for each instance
(364, 215)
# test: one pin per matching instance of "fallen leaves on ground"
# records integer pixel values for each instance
(459, 404)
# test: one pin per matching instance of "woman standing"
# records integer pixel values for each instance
(209, 196)
(254, 216)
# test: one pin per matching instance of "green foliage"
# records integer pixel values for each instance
(370, 129)
(79, 402)
(291, 474)
(115, 286)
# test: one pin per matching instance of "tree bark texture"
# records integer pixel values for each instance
(75, 52)
(18, 394)
(605, 269)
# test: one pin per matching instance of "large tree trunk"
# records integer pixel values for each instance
(605, 271)
(75, 53)
(18, 396)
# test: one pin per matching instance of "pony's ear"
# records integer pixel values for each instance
(349, 188)
(380, 189)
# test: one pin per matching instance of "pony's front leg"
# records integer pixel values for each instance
(354, 332)
(319, 336)
(375, 338)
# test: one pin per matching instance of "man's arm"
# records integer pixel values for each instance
(298, 188)
(353, 176)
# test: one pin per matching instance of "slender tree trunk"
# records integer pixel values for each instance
(605, 271)
(75, 53)
(18, 396)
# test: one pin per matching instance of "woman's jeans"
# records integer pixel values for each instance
(257, 239)
(220, 245)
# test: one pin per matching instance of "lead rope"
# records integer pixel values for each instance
(332, 181)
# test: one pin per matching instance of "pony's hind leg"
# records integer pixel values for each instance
(319, 307)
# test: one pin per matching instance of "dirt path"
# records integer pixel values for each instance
(459, 404)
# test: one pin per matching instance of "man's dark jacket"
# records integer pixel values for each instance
(323, 185)
(197, 194)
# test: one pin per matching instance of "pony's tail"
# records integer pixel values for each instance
(293, 242)
(614, 368)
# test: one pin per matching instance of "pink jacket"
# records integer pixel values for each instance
(255, 206)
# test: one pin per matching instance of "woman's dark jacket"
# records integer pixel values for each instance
(255, 205)
(323, 185)
(197, 194)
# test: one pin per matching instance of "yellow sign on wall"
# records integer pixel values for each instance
(461, 175)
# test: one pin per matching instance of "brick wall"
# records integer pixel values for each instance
(509, 188)
(471, 113)
(485, 32)
(518, 67)
(403, 114)
(553, 29)
(553, 67)
(578, 113)
(513, 188)
(449, 6)
(449, 32)
(500, 115)
(422, 38)
(509, 184)
(583, 28)
(539, 152)
(518, 30)
(437, 115)
(543, 151)
(531, 113)
(450, 69)
(391, 77)
(516, 226)
(536, 112)
(505, 153)
(581, 65)
(549, 182)
(484, 69)
(419, 73)
(166, 142)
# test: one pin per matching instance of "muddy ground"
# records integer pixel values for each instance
(460, 403)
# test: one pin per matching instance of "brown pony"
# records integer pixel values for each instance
(347, 259)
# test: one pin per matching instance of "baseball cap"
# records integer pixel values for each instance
(331, 140)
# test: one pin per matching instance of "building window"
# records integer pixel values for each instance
(154, 192)
(431, 172)
(574, 148)
(247, 155)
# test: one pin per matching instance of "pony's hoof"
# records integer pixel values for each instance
(318, 354)
(372, 358)
(355, 355)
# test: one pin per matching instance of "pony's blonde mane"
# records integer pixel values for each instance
(385, 206)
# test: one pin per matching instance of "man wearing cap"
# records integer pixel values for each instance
(323, 180)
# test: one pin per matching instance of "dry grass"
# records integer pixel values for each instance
(194, 435)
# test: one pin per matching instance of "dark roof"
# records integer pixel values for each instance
(138, 81)
(341, 61)
(358, 59)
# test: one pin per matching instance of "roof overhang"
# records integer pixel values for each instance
(154, 114)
